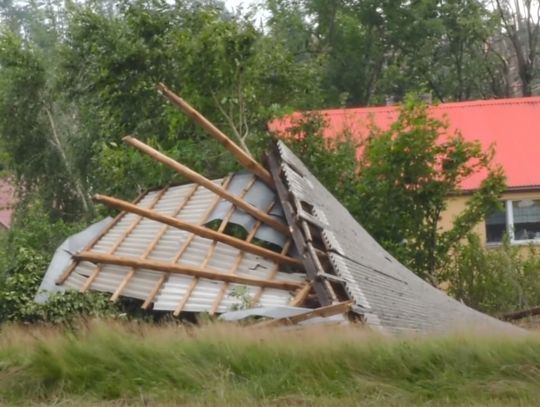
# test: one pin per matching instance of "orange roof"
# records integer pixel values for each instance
(511, 125)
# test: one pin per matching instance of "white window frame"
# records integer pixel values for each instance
(510, 227)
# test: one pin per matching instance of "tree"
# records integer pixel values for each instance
(406, 175)
(32, 132)
(399, 187)
(520, 25)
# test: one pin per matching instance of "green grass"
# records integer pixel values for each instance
(115, 364)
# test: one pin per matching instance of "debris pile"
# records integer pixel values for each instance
(271, 239)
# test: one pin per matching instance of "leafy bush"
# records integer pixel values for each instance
(18, 288)
(494, 280)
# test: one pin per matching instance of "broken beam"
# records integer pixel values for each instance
(328, 311)
(244, 158)
(208, 184)
(184, 269)
(197, 230)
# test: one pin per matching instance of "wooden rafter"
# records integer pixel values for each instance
(273, 272)
(223, 224)
(242, 156)
(165, 276)
(91, 278)
(235, 265)
(312, 271)
(130, 261)
(196, 229)
(208, 184)
(327, 311)
(65, 275)
(301, 296)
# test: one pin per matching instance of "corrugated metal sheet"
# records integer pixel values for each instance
(491, 122)
(393, 298)
(139, 237)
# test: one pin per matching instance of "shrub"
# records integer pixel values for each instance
(494, 280)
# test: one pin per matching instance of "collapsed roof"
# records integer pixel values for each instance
(269, 238)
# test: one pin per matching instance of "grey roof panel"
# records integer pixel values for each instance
(395, 299)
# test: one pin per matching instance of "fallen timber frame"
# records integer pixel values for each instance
(243, 157)
(197, 230)
(512, 316)
(318, 284)
(327, 311)
(92, 277)
(208, 184)
(65, 275)
(163, 279)
(185, 270)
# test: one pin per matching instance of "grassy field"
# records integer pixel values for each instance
(115, 364)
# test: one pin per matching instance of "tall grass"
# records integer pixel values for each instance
(125, 364)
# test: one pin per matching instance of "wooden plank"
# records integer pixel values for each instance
(196, 229)
(273, 272)
(301, 296)
(65, 275)
(223, 224)
(205, 182)
(91, 278)
(311, 268)
(163, 279)
(242, 156)
(234, 267)
(129, 261)
(512, 316)
(152, 245)
(327, 311)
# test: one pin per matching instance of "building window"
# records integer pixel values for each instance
(520, 220)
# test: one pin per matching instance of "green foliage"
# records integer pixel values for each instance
(494, 280)
(333, 160)
(406, 176)
(399, 187)
(245, 300)
(231, 366)
(20, 285)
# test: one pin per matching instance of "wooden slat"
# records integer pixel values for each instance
(274, 270)
(93, 275)
(163, 279)
(236, 264)
(243, 157)
(223, 224)
(205, 182)
(327, 311)
(301, 245)
(301, 296)
(185, 269)
(152, 245)
(65, 275)
(196, 229)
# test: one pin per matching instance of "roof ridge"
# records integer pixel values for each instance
(444, 105)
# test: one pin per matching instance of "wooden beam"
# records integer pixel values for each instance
(90, 280)
(208, 184)
(512, 316)
(65, 275)
(165, 276)
(301, 296)
(196, 229)
(225, 182)
(211, 250)
(238, 259)
(273, 271)
(310, 266)
(242, 156)
(129, 261)
(327, 311)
